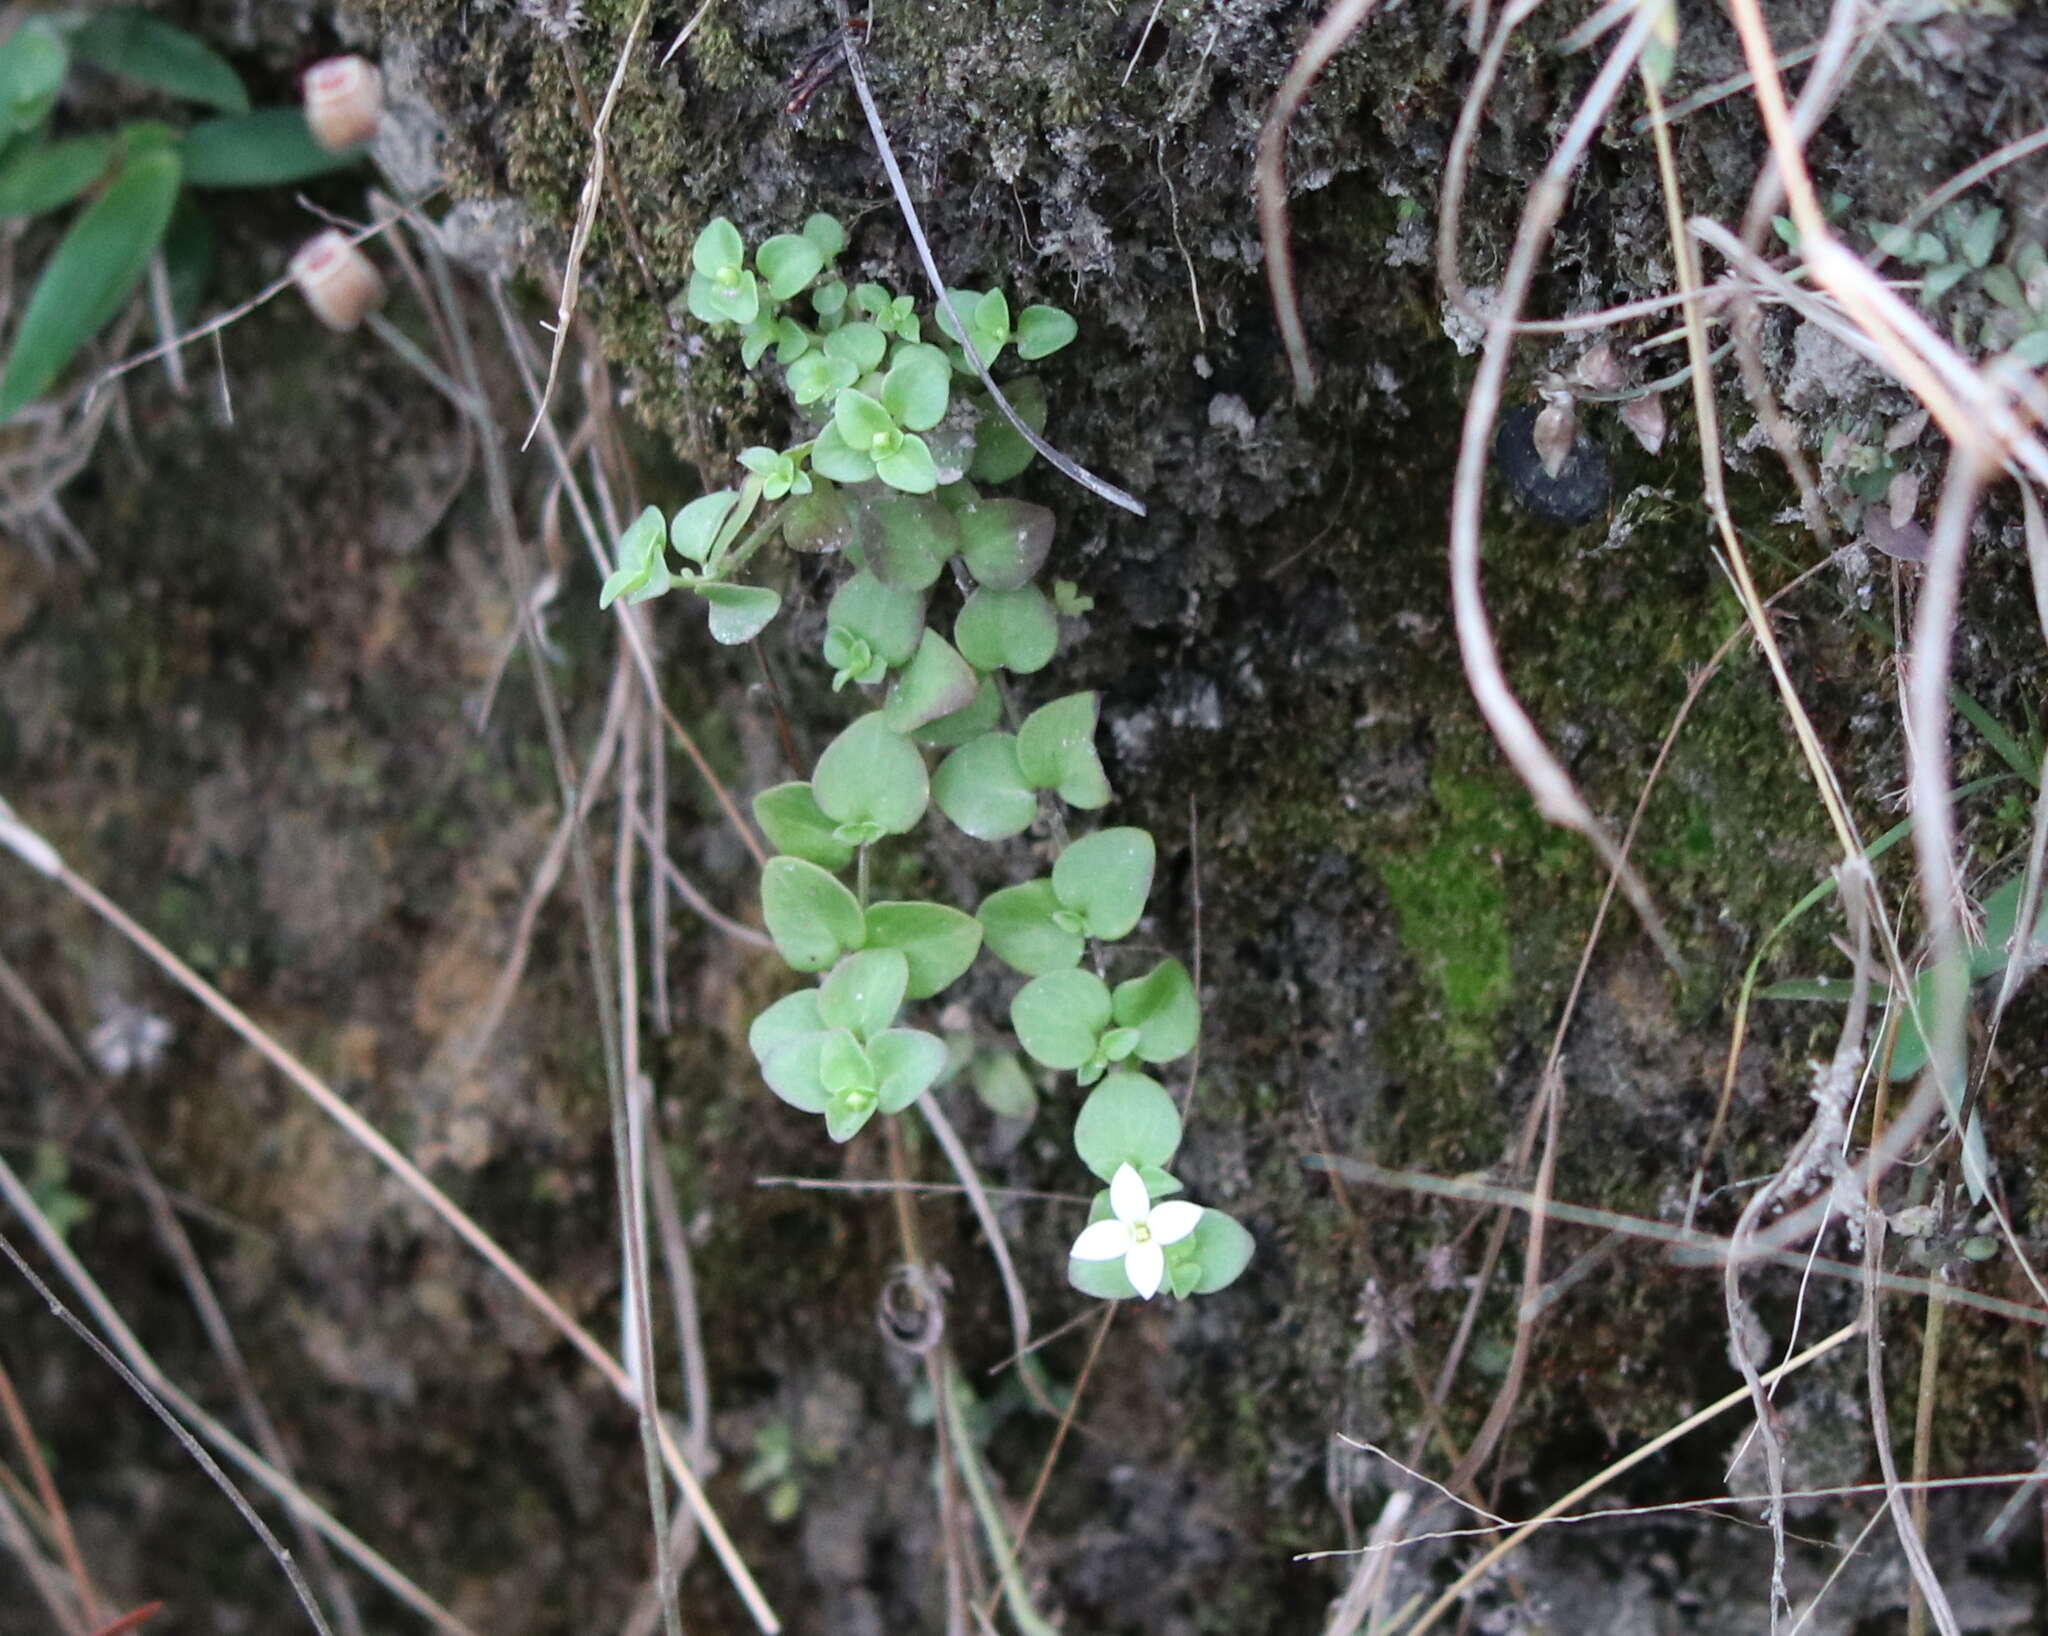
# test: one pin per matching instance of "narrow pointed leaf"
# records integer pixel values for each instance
(790, 817)
(1128, 1119)
(40, 176)
(96, 266)
(268, 148)
(1106, 877)
(811, 916)
(1059, 1018)
(981, 789)
(938, 941)
(33, 63)
(1056, 751)
(151, 52)
(872, 775)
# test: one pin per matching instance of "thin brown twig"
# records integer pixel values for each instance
(49, 1498)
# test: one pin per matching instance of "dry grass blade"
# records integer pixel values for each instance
(27, 843)
(587, 207)
(17, 1195)
(1599, 1480)
(47, 1496)
(1269, 179)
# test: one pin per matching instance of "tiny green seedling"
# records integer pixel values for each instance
(899, 445)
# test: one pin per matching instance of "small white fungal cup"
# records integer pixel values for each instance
(339, 282)
(344, 98)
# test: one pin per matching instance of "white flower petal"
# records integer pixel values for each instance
(1174, 1220)
(1104, 1241)
(1145, 1266)
(1127, 1195)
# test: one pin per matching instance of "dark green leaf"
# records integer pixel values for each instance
(813, 918)
(1005, 542)
(92, 272)
(33, 63)
(40, 176)
(1007, 630)
(265, 149)
(790, 817)
(1056, 751)
(936, 683)
(133, 44)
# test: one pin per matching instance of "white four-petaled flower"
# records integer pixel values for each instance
(1137, 1230)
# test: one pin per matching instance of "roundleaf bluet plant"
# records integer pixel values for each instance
(939, 606)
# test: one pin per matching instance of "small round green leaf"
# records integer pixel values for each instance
(794, 1072)
(962, 725)
(1042, 331)
(816, 375)
(696, 527)
(909, 466)
(825, 232)
(1005, 542)
(791, 1016)
(1105, 1280)
(936, 683)
(1161, 1006)
(789, 816)
(1127, 1119)
(1059, 1018)
(1223, 1248)
(964, 303)
(859, 420)
(864, 992)
(818, 521)
(718, 247)
(832, 457)
(860, 344)
(999, 452)
(1003, 1085)
(1105, 878)
(1018, 925)
(918, 387)
(871, 778)
(1007, 630)
(906, 1061)
(980, 788)
(811, 916)
(1056, 751)
(788, 262)
(938, 941)
(890, 622)
(642, 572)
(906, 540)
(739, 613)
